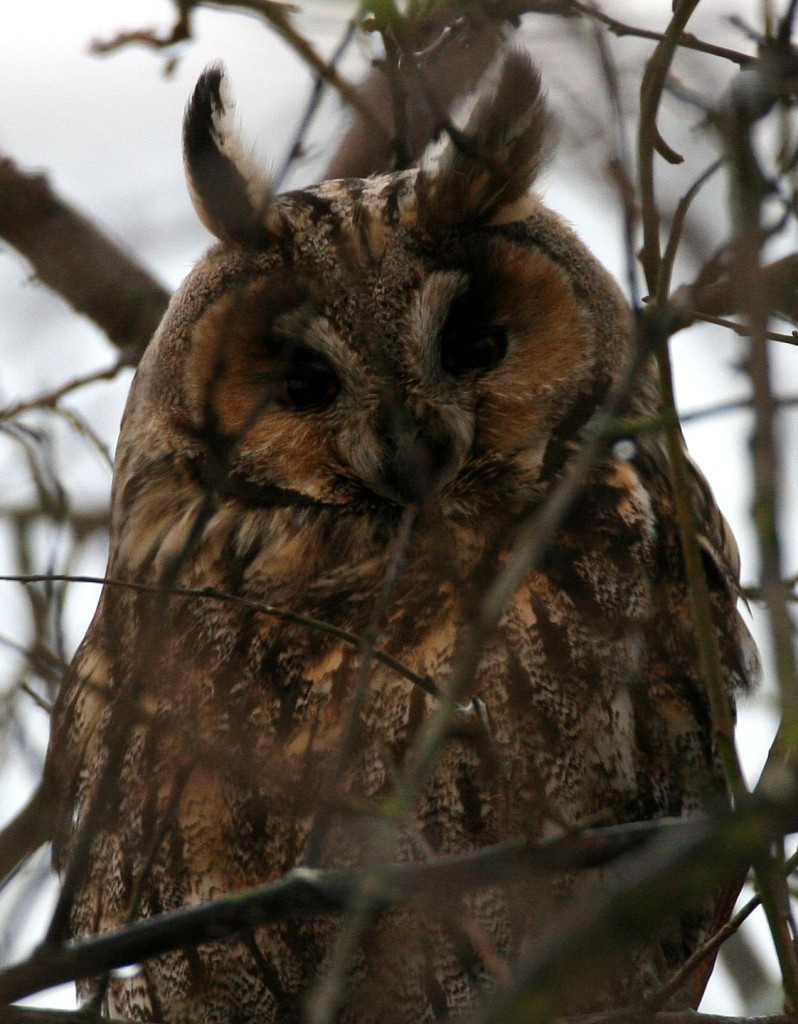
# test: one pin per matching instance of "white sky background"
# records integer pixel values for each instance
(107, 130)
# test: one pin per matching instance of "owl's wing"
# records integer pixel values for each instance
(82, 702)
(715, 536)
(722, 564)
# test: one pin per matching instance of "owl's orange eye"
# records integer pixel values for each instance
(309, 384)
(480, 350)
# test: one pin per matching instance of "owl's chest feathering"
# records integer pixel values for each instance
(418, 355)
(565, 681)
(269, 738)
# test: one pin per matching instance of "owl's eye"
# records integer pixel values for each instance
(478, 350)
(308, 384)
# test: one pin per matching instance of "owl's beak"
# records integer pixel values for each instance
(419, 456)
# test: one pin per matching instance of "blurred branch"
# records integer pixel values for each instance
(660, 326)
(33, 1015)
(735, 405)
(734, 119)
(331, 985)
(277, 16)
(29, 830)
(710, 947)
(50, 399)
(82, 522)
(754, 593)
(75, 259)
(707, 643)
(627, 910)
(688, 852)
(717, 293)
(427, 67)
(179, 33)
(297, 147)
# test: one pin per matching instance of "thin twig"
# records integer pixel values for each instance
(296, 147)
(210, 594)
(278, 16)
(660, 324)
(687, 41)
(325, 997)
(708, 648)
(624, 912)
(50, 399)
(649, 140)
(712, 945)
(766, 462)
(31, 827)
(734, 405)
(743, 330)
(677, 225)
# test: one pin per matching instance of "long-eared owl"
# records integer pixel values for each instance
(356, 403)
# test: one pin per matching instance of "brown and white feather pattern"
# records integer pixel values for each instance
(367, 354)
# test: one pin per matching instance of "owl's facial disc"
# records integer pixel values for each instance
(419, 454)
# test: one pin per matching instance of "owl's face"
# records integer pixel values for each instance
(415, 337)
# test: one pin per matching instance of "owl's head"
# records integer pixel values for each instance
(431, 335)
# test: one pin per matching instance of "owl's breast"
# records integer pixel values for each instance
(296, 695)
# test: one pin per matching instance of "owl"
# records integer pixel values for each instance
(356, 403)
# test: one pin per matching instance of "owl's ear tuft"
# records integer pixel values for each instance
(230, 193)
(497, 157)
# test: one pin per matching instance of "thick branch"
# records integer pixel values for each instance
(689, 853)
(25, 833)
(723, 296)
(306, 891)
(75, 259)
(655, 883)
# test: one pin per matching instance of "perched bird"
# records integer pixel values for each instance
(353, 409)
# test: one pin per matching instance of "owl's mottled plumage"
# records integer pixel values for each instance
(433, 338)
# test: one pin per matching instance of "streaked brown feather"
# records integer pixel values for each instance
(205, 737)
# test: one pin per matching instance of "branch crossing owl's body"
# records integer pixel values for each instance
(434, 340)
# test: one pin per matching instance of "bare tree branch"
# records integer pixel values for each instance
(626, 911)
(50, 399)
(721, 294)
(26, 832)
(689, 853)
(74, 258)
